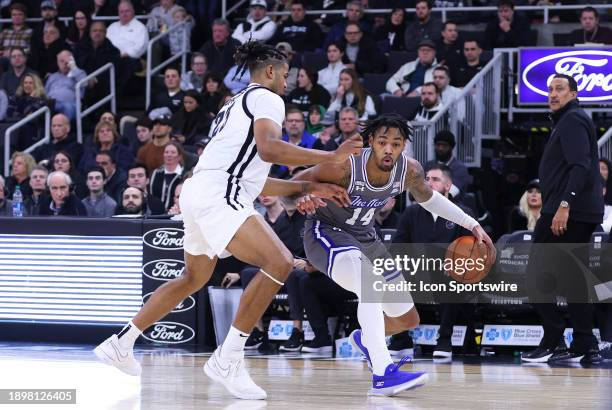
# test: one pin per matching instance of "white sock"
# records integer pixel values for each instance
(372, 323)
(233, 346)
(128, 335)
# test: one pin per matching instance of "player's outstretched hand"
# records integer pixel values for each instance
(483, 239)
(308, 204)
(351, 146)
(334, 193)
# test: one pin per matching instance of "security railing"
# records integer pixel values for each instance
(151, 71)
(474, 115)
(9, 131)
(605, 145)
(110, 97)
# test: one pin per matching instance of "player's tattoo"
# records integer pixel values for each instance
(415, 181)
(345, 180)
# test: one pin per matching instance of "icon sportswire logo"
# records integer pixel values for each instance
(591, 68)
(163, 269)
(184, 306)
(164, 238)
(170, 333)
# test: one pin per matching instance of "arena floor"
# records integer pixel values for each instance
(173, 379)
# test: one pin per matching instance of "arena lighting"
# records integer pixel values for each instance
(70, 279)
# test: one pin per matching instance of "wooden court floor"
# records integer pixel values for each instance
(173, 379)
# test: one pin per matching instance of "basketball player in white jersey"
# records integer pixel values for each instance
(219, 217)
(339, 240)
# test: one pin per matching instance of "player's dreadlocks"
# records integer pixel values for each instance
(390, 120)
(254, 54)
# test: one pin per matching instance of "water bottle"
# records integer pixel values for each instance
(17, 202)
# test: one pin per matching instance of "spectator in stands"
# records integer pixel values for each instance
(115, 177)
(219, 50)
(444, 142)
(18, 35)
(61, 140)
(448, 93)
(314, 126)
(109, 116)
(591, 31)
(296, 134)
(21, 165)
(62, 161)
(354, 14)
(61, 85)
(133, 202)
(419, 226)
(61, 202)
(175, 209)
(4, 102)
(392, 33)
(361, 51)
(183, 33)
(6, 205)
(91, 53)
(106, 138)
(38, 187)
(104, 8)
(308, 92)
(138, 177)
(507, 29)
(194, 79)
(415, 73)
(48, 12)
(348, 124)
(11, 78)
(449, 48)
(430, 102)
(235, 81)
(130, 36)
(165, 178)
(605, 170)
(29, 97)
(329, 77)
(43, 58)
(152, 153)
(424, 27)
(526, 214)
(160, 18)
(172, 96)
(79, 27)
(258, 26)
(65, 8)
(294, 65)
(299, 30)
(213, 94)
(190, 124)
(144, 135)
(350, 93)
(464, 72)
(98, 204)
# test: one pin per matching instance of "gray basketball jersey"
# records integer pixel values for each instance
(358, 218)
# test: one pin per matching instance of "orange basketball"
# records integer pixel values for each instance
(466, 261)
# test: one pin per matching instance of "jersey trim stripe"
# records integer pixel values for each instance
(366, 153)
(404, 170)
(350, 187)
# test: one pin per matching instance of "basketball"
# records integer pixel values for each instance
(471, 261)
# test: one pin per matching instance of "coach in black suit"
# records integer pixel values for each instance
(572, 208)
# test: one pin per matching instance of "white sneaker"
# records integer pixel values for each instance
(233, 376)
(110, 352)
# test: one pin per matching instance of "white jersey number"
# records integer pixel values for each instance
(365, 219)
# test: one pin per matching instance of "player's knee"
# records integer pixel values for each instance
(346, 270)
(280, 266)
(193, 279)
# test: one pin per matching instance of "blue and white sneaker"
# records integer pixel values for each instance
(395, 381)
(355, 338)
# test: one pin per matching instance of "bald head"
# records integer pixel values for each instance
(63, 60)
(60, 127)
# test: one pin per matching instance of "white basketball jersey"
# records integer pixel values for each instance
(232, 147)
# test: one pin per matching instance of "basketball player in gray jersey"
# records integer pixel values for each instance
(336, 237)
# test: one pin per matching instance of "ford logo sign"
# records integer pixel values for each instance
(164, 238)
(591, 68)
(169, 333)
(163, 269)
(184, 306)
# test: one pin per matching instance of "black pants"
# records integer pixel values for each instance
(321, 297)
(291, 288)
(452, 314)
(552, 271)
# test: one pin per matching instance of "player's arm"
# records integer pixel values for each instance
(272, 149)
(438, 204)
(293, 189)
